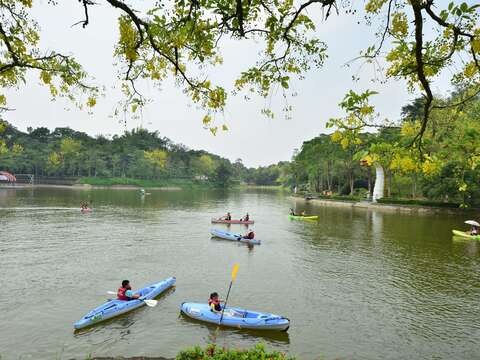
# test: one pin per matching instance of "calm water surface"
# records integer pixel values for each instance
(357, 284)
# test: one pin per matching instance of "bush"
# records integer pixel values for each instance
(430, 203)
(212, 352)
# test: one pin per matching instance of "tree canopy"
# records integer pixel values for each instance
(418, 41)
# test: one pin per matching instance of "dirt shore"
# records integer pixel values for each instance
(381, 207)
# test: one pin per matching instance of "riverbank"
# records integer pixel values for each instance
(128, 183)
(382, 206)
(211, 352)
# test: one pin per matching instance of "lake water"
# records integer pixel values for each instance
(356, 284)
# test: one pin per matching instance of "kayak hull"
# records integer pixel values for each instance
(465, 235)
(233, 237)
(299, 217)
(236, 317)
(219, 221)
(114, 308)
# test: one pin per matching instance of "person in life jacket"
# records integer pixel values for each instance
(214, 303)
(474, 230)
(246, 218)
(125, 292)
(249, 235)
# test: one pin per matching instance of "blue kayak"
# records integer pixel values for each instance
(235, 317)
(114, 308)
(234, 237)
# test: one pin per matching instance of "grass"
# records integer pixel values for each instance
(144, 183)
(212, 352)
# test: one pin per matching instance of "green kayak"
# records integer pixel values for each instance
(465, 234)
(299, 217)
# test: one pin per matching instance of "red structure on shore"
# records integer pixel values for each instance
(7, 177)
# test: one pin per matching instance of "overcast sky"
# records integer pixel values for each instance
(252, 137)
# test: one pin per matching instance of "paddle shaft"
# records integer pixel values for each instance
(226, 300)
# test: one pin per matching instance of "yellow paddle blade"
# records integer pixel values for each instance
(234, 272)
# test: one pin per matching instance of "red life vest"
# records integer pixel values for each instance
(121, 294)
(216, 303)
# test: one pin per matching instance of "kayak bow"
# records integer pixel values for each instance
(300, 217)
(465, 235)
(116, 307)
(233, 237)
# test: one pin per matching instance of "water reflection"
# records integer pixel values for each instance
(217, 333)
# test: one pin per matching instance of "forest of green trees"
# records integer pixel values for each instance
(445, 167)
(137, 154)
(340, 163)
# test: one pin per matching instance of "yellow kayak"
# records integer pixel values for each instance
(465, 234)
(299, 217)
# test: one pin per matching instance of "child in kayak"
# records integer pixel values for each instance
(474, 230)
(249, 235)
(125, 292)
(214, 303)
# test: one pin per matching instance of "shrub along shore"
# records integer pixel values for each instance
(212, 352)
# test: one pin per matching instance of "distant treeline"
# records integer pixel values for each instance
(137, 154)
(445, 168)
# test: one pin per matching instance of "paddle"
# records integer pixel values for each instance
(151, 303)
(234, 276)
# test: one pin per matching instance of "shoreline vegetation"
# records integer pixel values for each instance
(385, 204)
(211, 352)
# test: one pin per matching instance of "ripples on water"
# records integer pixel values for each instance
(356, 284)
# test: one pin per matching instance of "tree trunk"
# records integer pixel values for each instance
(389, 184)
(414, 186)
(351, 181)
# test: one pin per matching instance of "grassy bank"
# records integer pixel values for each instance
(211, 352)
(144, 183)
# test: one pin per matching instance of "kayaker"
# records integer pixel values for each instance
(214, 302)
(292, 212)
(249, 235)
(246, 218)
(226, 217)
(125, 292)
(303, 213)
(474, 230)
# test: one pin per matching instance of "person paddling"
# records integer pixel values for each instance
(249, 235)
(125, 292)
(226, 217)
(214, 303)
(246, 218)
(474, 230)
